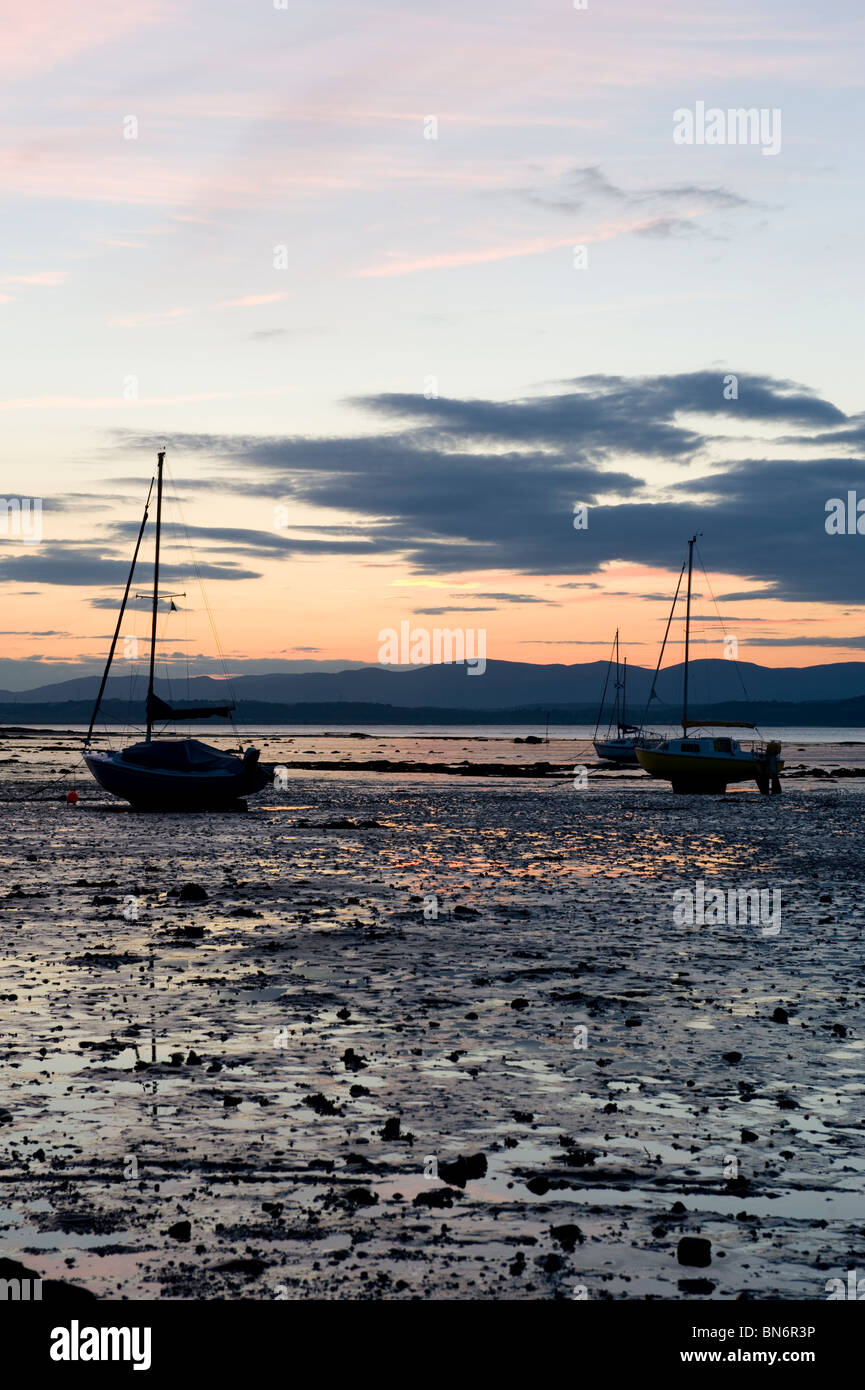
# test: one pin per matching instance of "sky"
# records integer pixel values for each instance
(399, 286)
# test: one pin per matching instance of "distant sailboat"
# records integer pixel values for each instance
(705, 763)
(621, 746)
(170, 774)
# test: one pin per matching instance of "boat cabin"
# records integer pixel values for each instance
(704, 747)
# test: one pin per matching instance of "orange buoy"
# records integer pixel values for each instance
(71, 798)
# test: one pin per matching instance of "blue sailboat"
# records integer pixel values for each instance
(164, 774)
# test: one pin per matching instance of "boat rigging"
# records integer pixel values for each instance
(170, 774)
(705, 763)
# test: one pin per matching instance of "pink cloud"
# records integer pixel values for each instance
(152, 316)
(534, 246)
(90, 163)
(39, 277)
(166, 315)
(42, 34)
(250, 300)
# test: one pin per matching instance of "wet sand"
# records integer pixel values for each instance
(245, 1095)
(24, 753)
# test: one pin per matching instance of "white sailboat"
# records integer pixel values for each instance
(619, 746)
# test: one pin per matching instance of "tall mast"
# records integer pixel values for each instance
(652, 693)
(160, 461)
(123, 604)
(624, 694)
(618, 687)
(603, 696)
(691, 543)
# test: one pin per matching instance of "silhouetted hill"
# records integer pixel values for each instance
(324, 714)
(505, 685)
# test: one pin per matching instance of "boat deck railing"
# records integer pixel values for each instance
(761, 748)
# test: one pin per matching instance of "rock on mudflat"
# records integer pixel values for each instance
(458, 1172)
(567, 1236)
(361, 1197)
(322, 1105)
(701, 1287)
(251, 1267)
(439, 1197)
(192, 893)
(694, 1250)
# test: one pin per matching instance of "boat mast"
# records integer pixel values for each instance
(653, 695)
(624, 697)
(618, 687)
(603, 697)
(123, 604)
(160, 461)
(691, 544)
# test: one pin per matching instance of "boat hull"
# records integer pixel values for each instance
(159, 789)
(704, 774)
(617, 750)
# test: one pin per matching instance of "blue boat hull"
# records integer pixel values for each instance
(154, 788)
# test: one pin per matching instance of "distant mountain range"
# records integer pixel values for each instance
(507, 691)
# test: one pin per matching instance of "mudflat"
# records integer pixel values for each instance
(411, 1036)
